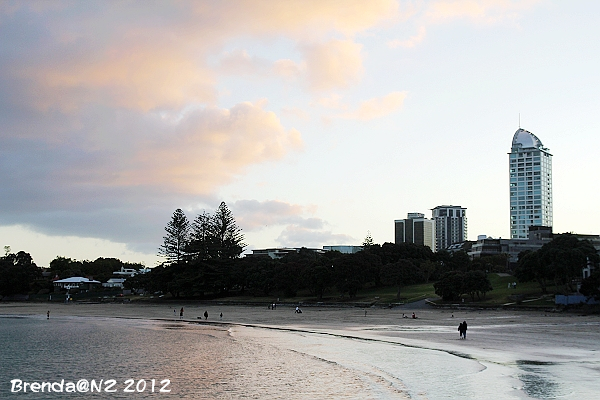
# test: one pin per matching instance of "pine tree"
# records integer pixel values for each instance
(201, 241)
(368, 242)
(228, 237)
(177, 239)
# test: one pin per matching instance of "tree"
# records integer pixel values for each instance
(201, 241)
(228, 237)
(400, 273)
(559, 261)
(530, 268)
(368, 242)
(476, 283)
(318, 278)
(450, 286)
(566, 256)
(590, 286)
(18, 273)
(66, 267)
(177, 238)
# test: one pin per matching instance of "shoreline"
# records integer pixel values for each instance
(508, 344)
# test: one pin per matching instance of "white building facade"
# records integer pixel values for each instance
(530, 174)
(450, 225)
(415, 229)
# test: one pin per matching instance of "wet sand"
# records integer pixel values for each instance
(534, 350)
(539, 334)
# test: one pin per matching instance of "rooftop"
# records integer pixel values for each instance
(525, 139)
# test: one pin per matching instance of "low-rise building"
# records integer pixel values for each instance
(114, 283)
(76, 282)
(280, 252)
(344, 249)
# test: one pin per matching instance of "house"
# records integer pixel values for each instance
(76, 282)
(114, 283)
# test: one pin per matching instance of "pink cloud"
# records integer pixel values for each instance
(255, 215)
(206, 148)
(377, 107)
(335, 64)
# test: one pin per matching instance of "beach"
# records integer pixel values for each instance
(507, 354)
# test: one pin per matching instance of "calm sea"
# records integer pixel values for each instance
(204, 362)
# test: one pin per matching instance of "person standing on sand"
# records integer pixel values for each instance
(48, 315)
(464, 331)
(460, 330)
(181, 313)
(205, 315)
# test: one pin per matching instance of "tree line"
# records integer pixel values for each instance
(202, 259)
(19, 274)
(558, 263)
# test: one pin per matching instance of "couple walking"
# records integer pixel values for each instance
(462, 330)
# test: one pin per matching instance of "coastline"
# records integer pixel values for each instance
(488, 329)
(556, 349)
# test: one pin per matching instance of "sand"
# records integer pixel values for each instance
(541, 354)
(537, 333)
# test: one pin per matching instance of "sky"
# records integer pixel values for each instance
(314, 121)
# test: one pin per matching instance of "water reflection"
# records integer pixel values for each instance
(537, 380)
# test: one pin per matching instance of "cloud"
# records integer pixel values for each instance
(239, 62)
(301, 229)
(377, 107)
(332, 102)
(253, 215)
(295, 112)
(297, 236)
(121, 183)
(296, 17)
(484, 12)
(481, 11)
(410, 42)
(331, 65)
(288, 69)
(110, 110)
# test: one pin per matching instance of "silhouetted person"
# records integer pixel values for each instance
(181, 313)
(221, 316)
(460, 330)
(48, 315)
(205, 314)
(464, 329)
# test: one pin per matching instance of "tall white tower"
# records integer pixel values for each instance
(530, 166)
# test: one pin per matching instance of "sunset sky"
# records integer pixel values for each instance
(315, 121)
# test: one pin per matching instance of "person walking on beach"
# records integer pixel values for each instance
(460, 330)
(205, 315)
(464, 329)
(181, 313)
(48, 315)
(221, 316)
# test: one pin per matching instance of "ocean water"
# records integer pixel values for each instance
(237, 362)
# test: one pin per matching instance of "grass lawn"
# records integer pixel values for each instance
(500, 295)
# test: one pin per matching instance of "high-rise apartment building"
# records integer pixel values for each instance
(450, 225)
(530, 165)
(415, 229)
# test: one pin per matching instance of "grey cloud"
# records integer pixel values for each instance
(253, 215)
(295, 236)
